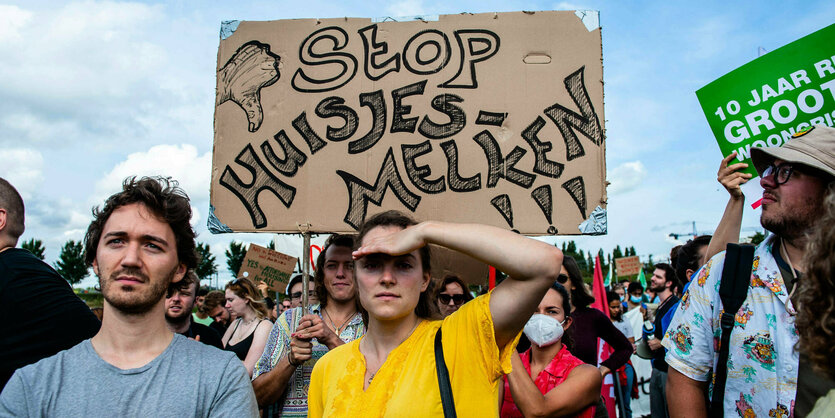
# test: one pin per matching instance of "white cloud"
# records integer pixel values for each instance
(627, 176)
(23, 168)
(12, 18)
(94, 72)
(570, 6)
(406, 8)
(180, 162)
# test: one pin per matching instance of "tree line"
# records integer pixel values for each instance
(71, 265)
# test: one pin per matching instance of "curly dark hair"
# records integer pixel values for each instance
(816, 293)
(189, 279)
(426, 307)
(164, 198)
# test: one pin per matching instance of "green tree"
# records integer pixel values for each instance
(271, 245)
(207, 267)
(34, 246)
(617, 253)
(757, 238)
(70, 264)
(631, 252)
(235, 257)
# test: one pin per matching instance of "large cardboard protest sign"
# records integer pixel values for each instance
(492, 118)
(763, 103)
(268, 266)
(628, 266)
(446, 262)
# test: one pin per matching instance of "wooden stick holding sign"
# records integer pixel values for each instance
(268, 266)
(305, 230)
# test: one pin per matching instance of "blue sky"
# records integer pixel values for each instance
(94, 91)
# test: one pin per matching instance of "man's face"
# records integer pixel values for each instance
(792, 208)
(220, 315)
(339, 273)
(199, 301)
(658, 281)
(615, 309)
(621, 293)
(136, 259)
(178, 307)
(296, 294)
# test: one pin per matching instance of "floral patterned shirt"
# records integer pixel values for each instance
(762, 362)
(294, 401)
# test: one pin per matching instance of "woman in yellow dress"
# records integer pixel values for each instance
(391, 371)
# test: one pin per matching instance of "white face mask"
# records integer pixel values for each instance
(543, 330)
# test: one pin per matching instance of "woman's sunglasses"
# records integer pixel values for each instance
(456, 299)
(562, 279)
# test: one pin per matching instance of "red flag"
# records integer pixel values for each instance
(604, 351)
(599, 290)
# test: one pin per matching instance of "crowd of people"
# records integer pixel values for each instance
(380, 336)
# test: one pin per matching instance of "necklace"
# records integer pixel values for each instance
(248, 323)
(785, 255)
(333, 325)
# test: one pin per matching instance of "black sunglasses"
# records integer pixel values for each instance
(562, 279)
(298, 295)
(456, 299)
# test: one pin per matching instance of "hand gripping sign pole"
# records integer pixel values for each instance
(305, 230)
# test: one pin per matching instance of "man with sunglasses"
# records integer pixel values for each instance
(764, 371)
(294, 290)
(452, 293)
(301, 337)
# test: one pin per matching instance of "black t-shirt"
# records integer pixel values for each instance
(217, 326)
(207, 335)
(658, 361)
(39, 313)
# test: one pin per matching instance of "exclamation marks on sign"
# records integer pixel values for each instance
(576, 187)
(502, 204)
(542, 196)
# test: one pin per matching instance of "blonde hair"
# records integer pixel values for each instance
(245, 289)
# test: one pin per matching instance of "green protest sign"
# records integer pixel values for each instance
(764, 102)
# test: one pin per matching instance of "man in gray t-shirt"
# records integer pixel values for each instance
(139, 245)
(188, 379)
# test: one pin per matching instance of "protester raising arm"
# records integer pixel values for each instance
(729, 227)
(378, 374)
(531, 265)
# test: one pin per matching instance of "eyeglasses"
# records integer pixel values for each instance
(298, 295)
(562, 279)
(782, 173)
(456, 299)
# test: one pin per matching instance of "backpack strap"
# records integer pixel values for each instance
(736, 278)
(443, 378)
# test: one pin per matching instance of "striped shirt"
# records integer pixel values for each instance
(294, 401)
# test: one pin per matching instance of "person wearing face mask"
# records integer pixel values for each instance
(547, 380)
